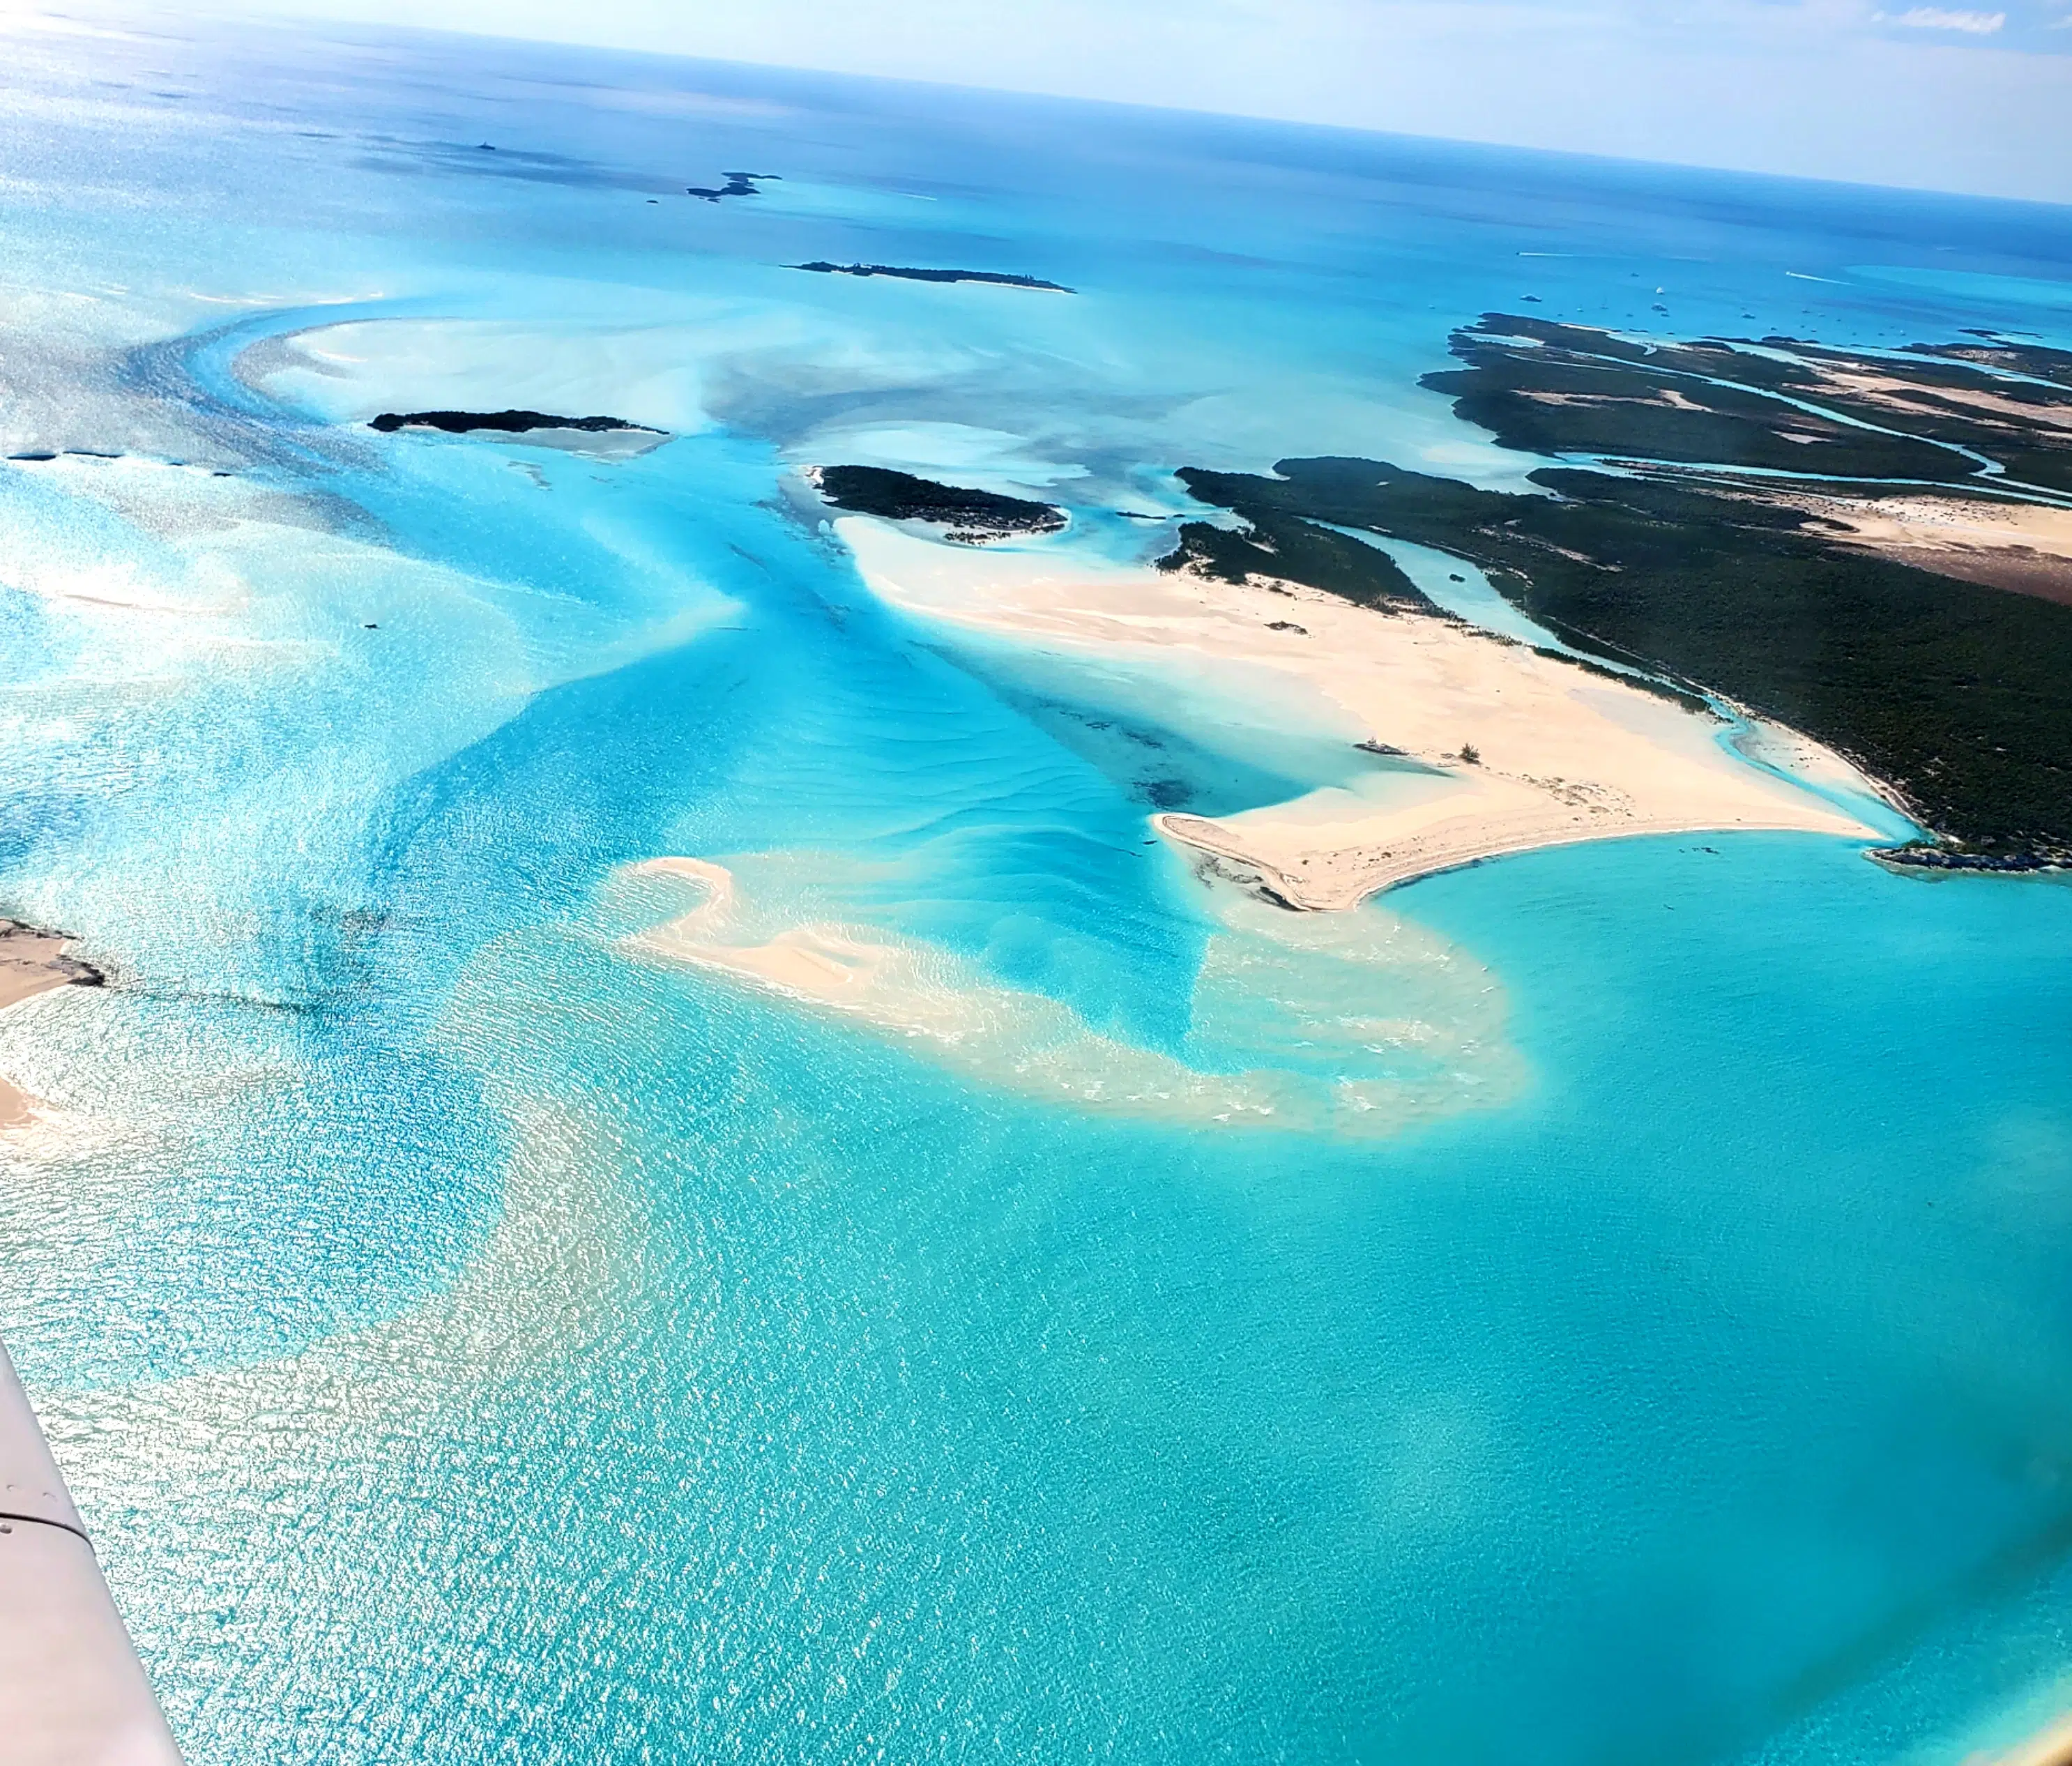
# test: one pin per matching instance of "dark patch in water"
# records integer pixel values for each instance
(431, 157)
(502, 422)
(910, 273)
(738, 183)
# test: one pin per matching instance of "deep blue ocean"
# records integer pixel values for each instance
(471, 1340)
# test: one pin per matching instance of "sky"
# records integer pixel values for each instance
(1974, 98)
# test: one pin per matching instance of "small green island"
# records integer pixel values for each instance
(504, 423)
(972, 517)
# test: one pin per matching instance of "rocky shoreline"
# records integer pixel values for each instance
(1944, 858)
(33, 960)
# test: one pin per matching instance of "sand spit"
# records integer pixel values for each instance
(2023, 547)
(32, 962)
(1511, 750)
(910, 992)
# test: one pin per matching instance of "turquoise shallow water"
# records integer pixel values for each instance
(472, 1341)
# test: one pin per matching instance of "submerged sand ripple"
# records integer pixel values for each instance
(1368, 1024)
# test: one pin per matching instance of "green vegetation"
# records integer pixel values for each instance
(1542, 401)
(1282, 540)
(1783, 405)
(900, 496)
(1960, 696)
(2037, 360)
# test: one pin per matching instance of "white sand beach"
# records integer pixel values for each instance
(2023, 547)
(29, 965)
(1523, 750)
(2050, 1747)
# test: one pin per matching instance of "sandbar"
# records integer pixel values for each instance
(32, 962)
(1520, 750)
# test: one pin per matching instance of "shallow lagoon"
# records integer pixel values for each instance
(469, 1342)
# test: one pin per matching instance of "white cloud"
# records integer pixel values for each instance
(1979, 24)
(1944, 98)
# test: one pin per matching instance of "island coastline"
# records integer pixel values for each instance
(1515, 749)
(1874, 549)
(602, 437)
(970, 518)
(2050, 1746)
(738, 183)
